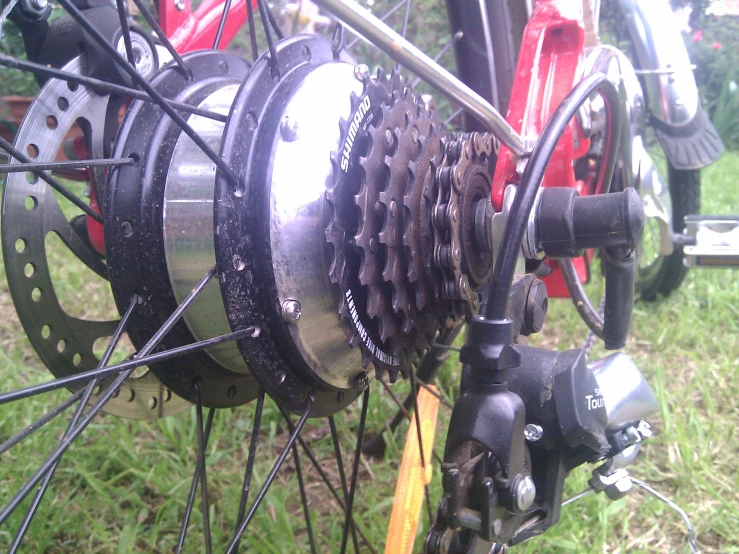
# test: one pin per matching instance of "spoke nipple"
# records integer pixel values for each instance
(361, 72)
(289, 129)
(291, 311)
(361, 382)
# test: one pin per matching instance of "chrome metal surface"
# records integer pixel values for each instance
(531, 244)
(626, 394)
(497, 226)
(525, 493)
(673, 97)
(32, 214)
(533, 432)
(291, 311)
(144, 54)
(300, 171)
(188, 229)
(618, 69)
(717, 241)
(402, 51)
(655, 194)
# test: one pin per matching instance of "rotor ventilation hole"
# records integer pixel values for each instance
(45, 332)
(52, 122)
(61, 346)
(31, 203)
(152, 403)
(72, 86)
(167, 395)
(77, 359)
(36, 294)
(20, 246)
(31, 178)
(29, 270)
(32, 150)
(129, 395)
(63, 103)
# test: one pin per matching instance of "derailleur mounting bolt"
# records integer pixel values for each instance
(525, 493)
(291, 311)
(533, 432)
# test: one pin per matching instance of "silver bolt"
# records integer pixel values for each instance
(361, 72)
(389, 137)
(525, 493)
(631, 436)
(289, 129)
(533, 432)
(361, 382)
(619, 489)
(291, 311)
(179, 4)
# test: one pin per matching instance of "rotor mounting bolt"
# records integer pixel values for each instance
(361, 72)
(525, 493)
(289, 129)
(291, 311)
(533, 432)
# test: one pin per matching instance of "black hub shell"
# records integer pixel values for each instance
(242, 214)
(134, 242)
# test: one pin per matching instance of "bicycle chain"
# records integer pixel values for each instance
(461, 175)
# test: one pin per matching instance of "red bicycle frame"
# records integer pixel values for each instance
(188, 31)
(549, 65)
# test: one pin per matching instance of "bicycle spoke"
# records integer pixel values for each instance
(256, 425)
(201, 466)
(270, 43)
(252, 30)
(432, 391)
(163, 37)
(334, 492)
(156, 96)
(56, 185)
(395, 398)
(194, 486)
(355, 470)
(55, 166)
(222, 24)
(104, 397)
(123, 366)
(342, 475)
(275, 25)
(414, 395)
(457, 37)
(40, 422)
(101, 86)
(86, 393)
(270, 478)
(303, 496)
(125, 31)
(387, 14)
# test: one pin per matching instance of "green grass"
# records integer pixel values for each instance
(123, 486)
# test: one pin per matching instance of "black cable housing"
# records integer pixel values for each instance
(533, 174)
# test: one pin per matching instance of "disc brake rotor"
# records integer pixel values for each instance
(31, 212)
